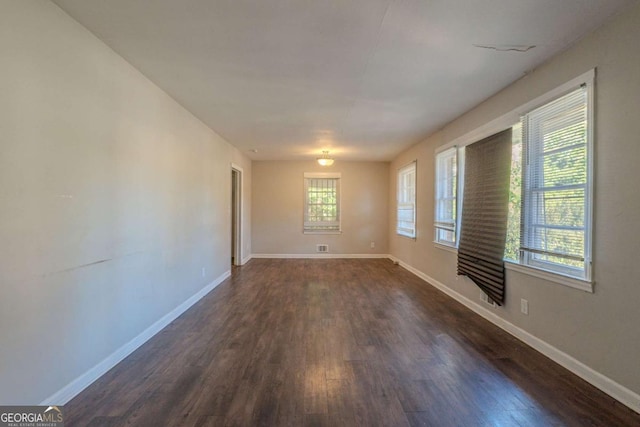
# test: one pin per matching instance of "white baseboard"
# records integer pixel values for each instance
(68, 392)
(246, 259)
(604, 383)
(320, 256)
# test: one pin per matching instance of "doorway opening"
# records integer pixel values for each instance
(236, 215)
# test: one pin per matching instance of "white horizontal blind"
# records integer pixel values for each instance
(322, 204)
(555, 185)
(406, 215)
(446, 196)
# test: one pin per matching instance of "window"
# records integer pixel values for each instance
(556, 200)
(446, 203)
(512, 244)
(322, 203)
(550, 196)
(406, 219)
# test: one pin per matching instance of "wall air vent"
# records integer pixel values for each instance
(322, 248)
(485, 298)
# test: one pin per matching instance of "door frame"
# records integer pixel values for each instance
(237, 209)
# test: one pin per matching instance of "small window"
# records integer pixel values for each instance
(446, 203)
(512, 244)
(556, 200)
(406, 215)
(321, 203)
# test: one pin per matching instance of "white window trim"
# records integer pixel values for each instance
(335, 175)
(411, 165)
(551, 276)
(448, 248)
(527, 260)
(322, 232)
(512, 117)
(460, 158)
(508, 120)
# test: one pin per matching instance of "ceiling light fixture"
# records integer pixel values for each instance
(325, 160)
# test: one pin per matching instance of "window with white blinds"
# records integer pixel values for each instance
(556, 201)
(446, 200)
(406, 215)
(321, 203)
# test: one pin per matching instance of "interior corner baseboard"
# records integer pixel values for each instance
(598, 380)
(309, 256)
(68, 392)
(246, 259)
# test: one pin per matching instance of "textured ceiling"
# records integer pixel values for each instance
(364, 79)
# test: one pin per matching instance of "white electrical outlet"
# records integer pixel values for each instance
(373, 245)
(524, 306)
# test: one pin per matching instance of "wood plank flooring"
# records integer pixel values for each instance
(337, 343)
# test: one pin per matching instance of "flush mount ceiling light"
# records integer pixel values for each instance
(325, 160)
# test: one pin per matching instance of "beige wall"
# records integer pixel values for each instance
(601, 329)
(278, 198)
(113, 199)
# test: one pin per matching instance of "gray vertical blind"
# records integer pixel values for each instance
(483, 227)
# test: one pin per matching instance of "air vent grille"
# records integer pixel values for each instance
(484, 298)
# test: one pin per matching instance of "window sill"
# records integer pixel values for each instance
(551, 276)
(321, 232)
(447, 248)
(405, 236)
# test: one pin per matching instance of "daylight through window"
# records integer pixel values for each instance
(446, 203)
(406, 215)
(550, 195)
(322, 203)
(555, 192)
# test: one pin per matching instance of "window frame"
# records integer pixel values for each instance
(527, 258)
(401, 191)
(508, 120)
(337, 176)
(457, 196)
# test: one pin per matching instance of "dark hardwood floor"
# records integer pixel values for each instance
(337, 343)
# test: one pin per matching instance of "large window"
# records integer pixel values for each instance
(550, 196)
(406, 215)
(321, 203)
(556, 201)
(446, 200)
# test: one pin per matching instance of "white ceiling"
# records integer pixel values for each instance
(364, 79)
